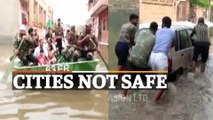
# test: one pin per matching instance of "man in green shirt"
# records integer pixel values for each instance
(139, 54)
(86, 45)
(23, 48)
(72, 41)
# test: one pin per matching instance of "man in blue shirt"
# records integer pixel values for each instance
(159, 56)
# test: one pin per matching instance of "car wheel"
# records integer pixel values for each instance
(181, 71)
(172, 76)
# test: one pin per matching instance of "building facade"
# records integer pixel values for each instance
(98, 10)
(35, 13)
(177, 10)
(9, 21)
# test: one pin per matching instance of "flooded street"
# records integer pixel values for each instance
(188, 98)
(48, 105)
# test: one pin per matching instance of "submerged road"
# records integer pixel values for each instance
(188, 98)
(49, 105)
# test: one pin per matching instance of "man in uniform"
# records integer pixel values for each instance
(59, 36)
(71, 39)
(139, 54)
(36, 36)
(32, 38)
(86, 45)
(23, 46)
(48, 34)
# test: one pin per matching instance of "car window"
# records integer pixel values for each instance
(184, 39)
(176, 42)
(194, 37)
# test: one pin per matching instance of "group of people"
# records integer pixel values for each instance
(151, 50)
(34, 50)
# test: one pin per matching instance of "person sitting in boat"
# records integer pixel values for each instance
(32, 39)
(86, 45)
(68, 52)
(41, 47)
(72, 37)
(72, 40)
(67, 34)
(20, 35)
(36, 37)
(42, 60)
(73, 31)
(52, 51)
(52, 45)
(23, 47)
(48, 34)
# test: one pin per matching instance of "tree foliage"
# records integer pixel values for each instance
(200, 3)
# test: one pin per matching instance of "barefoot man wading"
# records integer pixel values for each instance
(164, 39)
(201, 45)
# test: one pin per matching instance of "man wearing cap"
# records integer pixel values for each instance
(23, 47)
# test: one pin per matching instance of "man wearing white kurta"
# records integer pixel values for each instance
(38, 49)
(164, 39)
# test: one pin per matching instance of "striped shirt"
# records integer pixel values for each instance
(201, 30)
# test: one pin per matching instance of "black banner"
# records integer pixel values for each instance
(88, 81)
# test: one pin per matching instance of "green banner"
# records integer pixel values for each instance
(48, 24)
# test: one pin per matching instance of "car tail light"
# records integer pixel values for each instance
(169, 65)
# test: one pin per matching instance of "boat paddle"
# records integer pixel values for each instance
(105, 63)
(10, 66)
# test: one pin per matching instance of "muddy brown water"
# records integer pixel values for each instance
(188, 98)
(49, 105)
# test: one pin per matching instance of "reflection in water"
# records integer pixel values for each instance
(188, 98)
(49, 105)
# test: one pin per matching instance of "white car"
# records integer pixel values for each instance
(180, 56)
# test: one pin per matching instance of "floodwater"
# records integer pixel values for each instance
(48, 105)
(188, 98)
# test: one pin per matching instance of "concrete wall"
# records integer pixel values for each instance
(119, 11)
(9, 21)
(152, 11)
(155, 12)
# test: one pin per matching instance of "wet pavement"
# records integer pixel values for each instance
(188, 98)
(49, 105)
